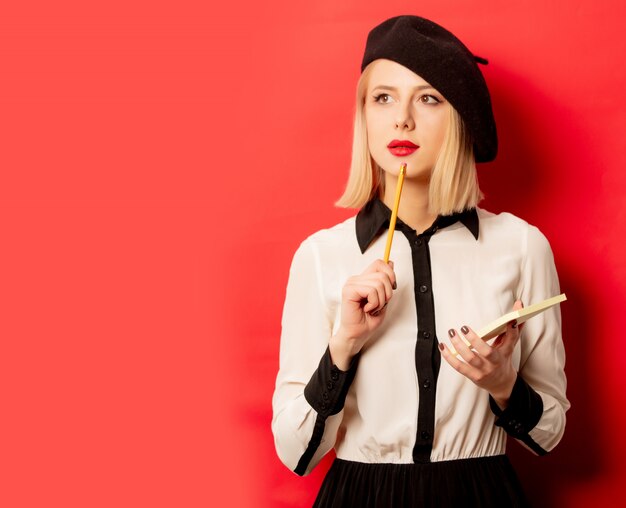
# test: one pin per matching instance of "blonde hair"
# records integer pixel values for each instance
(453, 182)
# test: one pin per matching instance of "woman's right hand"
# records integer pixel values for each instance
(363, 308)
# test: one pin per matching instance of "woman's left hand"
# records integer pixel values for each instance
(490, 367)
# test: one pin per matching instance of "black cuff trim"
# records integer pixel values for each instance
(327, 390)
(521, 415)
(314, 443)
(326, 393)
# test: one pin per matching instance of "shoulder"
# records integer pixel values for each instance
(506, 227)
(339, 236)
(335, 241)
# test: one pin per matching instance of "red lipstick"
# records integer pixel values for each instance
(402, 147)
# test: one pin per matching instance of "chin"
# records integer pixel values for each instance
(393, 168)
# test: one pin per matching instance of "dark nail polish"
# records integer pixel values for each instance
(465, 329)
(440, 347)
(395, 285)
(514, 324)
(451, 332)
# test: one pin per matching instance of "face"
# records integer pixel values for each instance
(403, 109)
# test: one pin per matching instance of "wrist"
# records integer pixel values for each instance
(502, 395)
(341, 353)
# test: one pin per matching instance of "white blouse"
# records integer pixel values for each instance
(400, 402)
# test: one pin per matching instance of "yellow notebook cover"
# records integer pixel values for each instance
(498, 326)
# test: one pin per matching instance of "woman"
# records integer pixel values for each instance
(372, 361)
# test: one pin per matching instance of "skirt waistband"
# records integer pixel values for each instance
(482, 482)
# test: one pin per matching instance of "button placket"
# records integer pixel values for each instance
(425, 357)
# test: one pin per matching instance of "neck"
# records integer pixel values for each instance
(413, 209)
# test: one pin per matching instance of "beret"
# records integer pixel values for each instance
(442, 60)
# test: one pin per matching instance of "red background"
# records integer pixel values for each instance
(160, 163)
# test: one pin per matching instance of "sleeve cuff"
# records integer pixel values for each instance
(328, 387)
(523, 411)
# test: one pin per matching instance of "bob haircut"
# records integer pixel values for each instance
(453, 182)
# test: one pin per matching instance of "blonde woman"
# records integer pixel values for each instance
(374, 360)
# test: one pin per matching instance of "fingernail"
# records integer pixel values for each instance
(375, 313)
(465, 329)
(440, 346)
(451, 332)
(395, 285)
(514, 324)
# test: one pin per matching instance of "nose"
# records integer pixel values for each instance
(404, 117)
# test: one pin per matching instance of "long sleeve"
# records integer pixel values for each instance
(535, 415)
(310, 391)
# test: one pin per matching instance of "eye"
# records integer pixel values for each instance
(429, 99)
(383, 98)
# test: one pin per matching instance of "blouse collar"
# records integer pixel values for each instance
(375, 215)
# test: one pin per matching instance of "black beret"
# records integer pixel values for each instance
(442, 60)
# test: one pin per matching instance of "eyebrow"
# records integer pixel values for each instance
(393, 89)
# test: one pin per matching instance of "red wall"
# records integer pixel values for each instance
(161, 161)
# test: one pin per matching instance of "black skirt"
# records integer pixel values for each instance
(482, 482)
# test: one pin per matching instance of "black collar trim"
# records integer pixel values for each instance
(375, 215)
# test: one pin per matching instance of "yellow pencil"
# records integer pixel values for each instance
(394, 212)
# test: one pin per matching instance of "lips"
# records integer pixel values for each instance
(396, 143)
(402, 147)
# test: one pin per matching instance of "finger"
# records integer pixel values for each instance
(388, 284)
(511, 333)
(380, 266)
(498, 342)
(464, 350)
(381, 282)
(381, 294)
(362, 295)
(374, 301)
(509, 337)
(378, 312)
(454, 362)
(483, 349)
(518, 305)
(390, 273)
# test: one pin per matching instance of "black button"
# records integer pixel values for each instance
(325, 396)
(334, 375)
(425, 435)
(423, 289)
(519, 428)
(418, 242)
(323, 405)
(330, 385)
(426, 335)
(426, 383)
